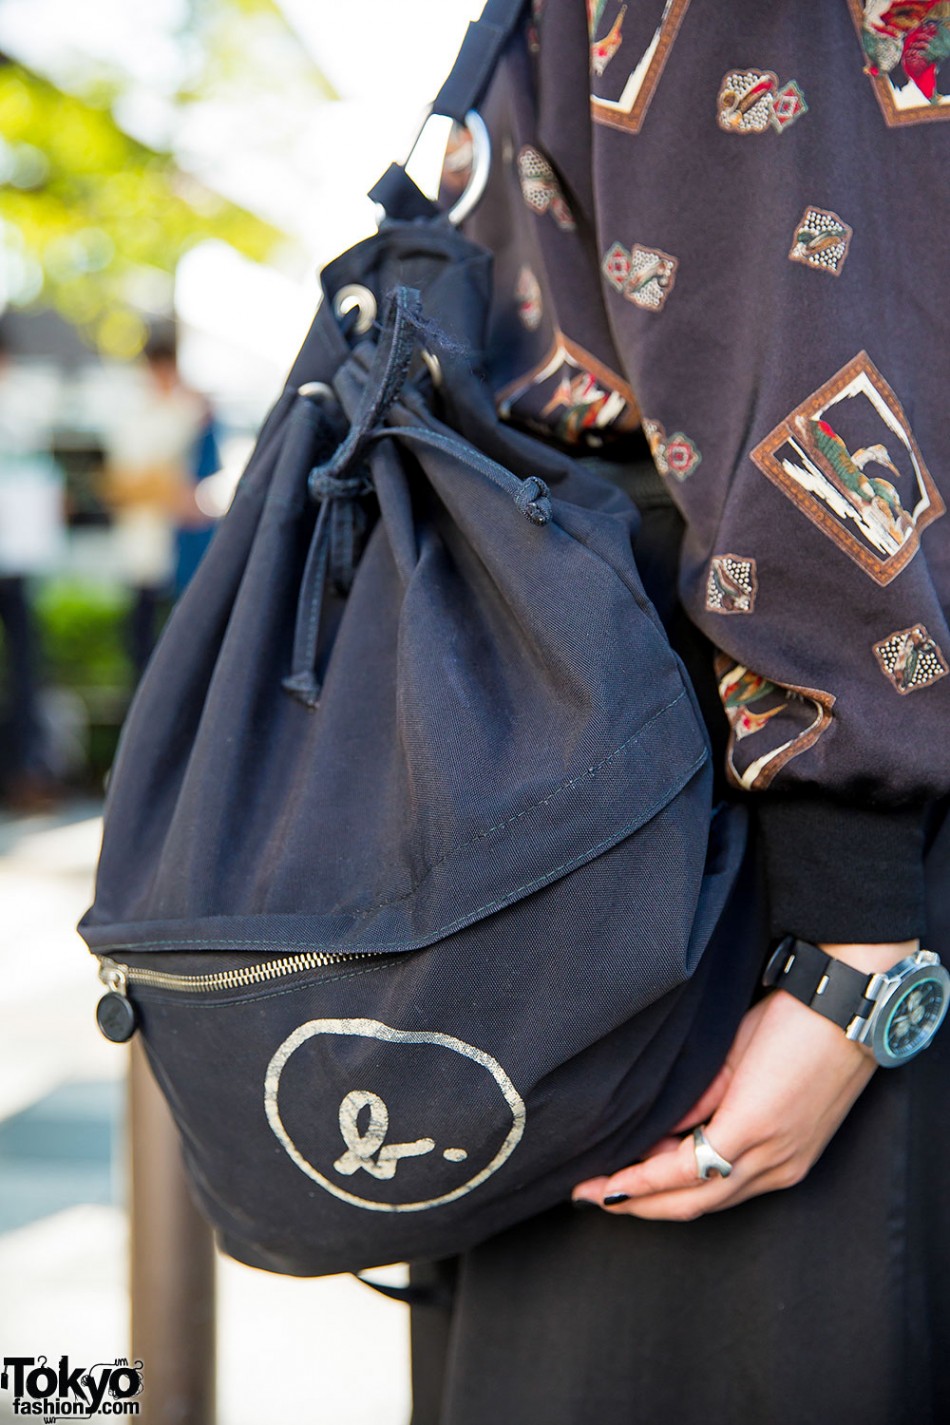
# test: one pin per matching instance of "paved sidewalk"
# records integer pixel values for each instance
(323, 1352)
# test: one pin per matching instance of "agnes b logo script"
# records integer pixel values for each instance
(472, 1114)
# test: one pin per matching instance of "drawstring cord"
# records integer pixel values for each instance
(341, 520)
(339, 484)
(531, 495)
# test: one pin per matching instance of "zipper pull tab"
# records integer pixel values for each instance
(115, 1012)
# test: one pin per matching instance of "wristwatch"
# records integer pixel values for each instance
(895, 1012)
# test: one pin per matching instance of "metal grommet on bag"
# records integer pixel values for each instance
(708, 1161)
(315, 390)
(354, 297)
(433, 365)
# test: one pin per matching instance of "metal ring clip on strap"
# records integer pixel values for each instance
(395, 193)
(481, 163)
(397, 196)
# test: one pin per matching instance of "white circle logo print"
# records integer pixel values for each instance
(352, 1138)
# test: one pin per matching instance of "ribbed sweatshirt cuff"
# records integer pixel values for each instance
(841, 872)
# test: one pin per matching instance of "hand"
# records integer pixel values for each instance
(788, 1082)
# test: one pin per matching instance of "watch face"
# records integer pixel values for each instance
(914, 1017)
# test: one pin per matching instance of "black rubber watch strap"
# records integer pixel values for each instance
(826, 985)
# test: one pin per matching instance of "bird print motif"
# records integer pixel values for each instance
(731, 584)
(822, 240)
(750, 101)
(622, 93)
(581, 407)
(912, 34)
(643, 275)
(870, 494)
(910, 659)
(529, 299)
(873, 519)
(595, 8)
(740, 689)
(569, 393)
(747, 108)
(769, 723)
(654, 268)
(812, 242)
(540, 188)
(602, 51)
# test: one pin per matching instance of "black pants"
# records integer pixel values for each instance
(820, 1305)
(144, 621)
(21, 740)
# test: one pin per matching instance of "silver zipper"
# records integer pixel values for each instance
(117, 977)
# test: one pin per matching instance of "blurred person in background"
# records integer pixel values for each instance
(198, 523)
(31, 544)
(159, 449)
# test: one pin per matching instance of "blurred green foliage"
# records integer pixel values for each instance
(248, 43)
(93, 222)
(86, 207)
(82, 630)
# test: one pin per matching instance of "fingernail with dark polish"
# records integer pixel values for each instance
(582, 1202)
(613, 1198)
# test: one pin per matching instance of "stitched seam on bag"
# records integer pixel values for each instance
(525, 811)
(467, 920)
(479, 835)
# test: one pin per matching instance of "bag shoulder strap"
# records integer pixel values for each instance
(481, 48)
(468, 79)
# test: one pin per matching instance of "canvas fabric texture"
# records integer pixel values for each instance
(412, 852)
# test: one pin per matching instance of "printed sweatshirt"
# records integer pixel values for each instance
(726, 223)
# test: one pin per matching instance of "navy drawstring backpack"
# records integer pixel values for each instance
(410, 853)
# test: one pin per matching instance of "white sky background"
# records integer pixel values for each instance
(307, 170)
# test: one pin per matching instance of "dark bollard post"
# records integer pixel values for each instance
(172, 1266)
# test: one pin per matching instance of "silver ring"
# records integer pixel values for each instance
(707, 1159)
(481, 165)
